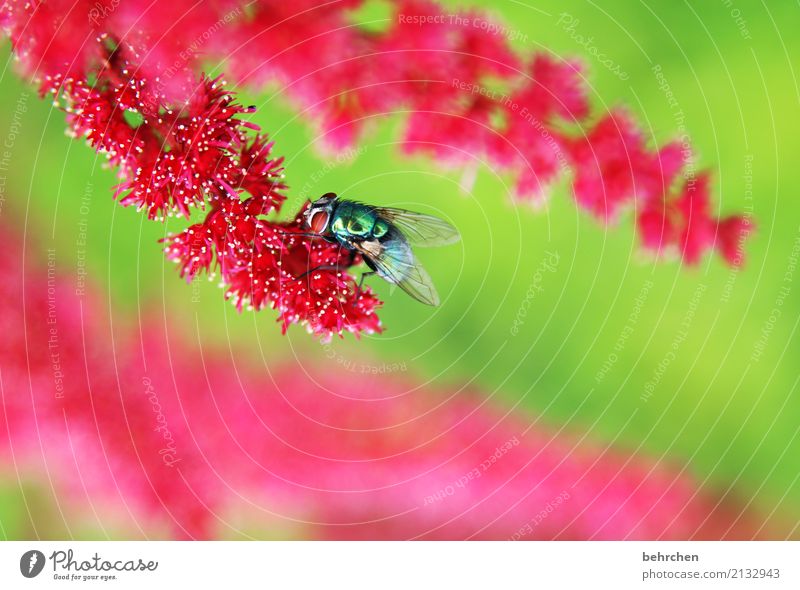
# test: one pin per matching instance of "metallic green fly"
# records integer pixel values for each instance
(383, 236)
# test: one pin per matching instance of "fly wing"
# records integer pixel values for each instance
(395, 262)
(420, 229)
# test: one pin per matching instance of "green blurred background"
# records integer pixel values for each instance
(726, 406)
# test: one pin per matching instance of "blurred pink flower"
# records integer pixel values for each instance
(180, 143)
(172, 440)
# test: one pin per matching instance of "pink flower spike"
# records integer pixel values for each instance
(180, 141)
(732, 232)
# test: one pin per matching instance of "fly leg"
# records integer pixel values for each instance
(360, 283)
(339, 268)
(300, 234)
(320, 267)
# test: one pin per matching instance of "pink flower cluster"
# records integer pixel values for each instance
(161, 439)
(127, 72)
(196, 152)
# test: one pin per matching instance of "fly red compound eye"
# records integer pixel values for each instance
(318, 222)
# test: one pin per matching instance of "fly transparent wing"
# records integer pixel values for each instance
(395, 262)
(420, 229)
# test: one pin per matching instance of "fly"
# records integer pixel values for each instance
(383, 236)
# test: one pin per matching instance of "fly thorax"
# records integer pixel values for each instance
(356, 227)
(380, 229)
(338, 226)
